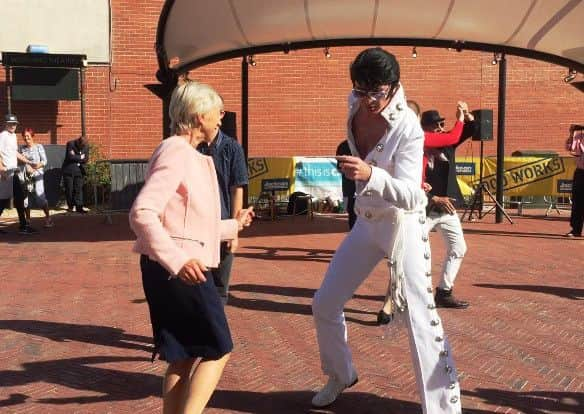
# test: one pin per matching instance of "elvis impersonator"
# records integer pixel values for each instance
(386, 141)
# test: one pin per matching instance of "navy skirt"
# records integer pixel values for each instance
(188, 321)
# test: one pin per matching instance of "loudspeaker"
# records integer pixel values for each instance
(483, 130)
(229, 124)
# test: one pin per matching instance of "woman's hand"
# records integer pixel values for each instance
(354, 168)
(192, 272)
(233, 245)
(244, 217)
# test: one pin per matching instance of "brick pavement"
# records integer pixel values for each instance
(74, 333)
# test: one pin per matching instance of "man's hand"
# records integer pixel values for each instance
(460, 112)
(426, 187)
(192, 272)
(466, 114)
(244, 217)
(354, 168)
(445, 203)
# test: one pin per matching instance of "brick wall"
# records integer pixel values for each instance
(298, 101)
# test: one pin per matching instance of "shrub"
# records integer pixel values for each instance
(98, 172)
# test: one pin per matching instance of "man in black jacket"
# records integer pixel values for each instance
(73, 170)
(348, 186)
(443, 200)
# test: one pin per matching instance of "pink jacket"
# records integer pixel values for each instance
(177, 215)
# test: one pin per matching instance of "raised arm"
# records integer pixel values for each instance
(403, 187)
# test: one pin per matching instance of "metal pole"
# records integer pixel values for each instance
(8, 88)
(244, 117)
(82, 87)
(501, 135)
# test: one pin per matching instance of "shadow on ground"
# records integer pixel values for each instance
(287, 253)
(66, 332)
(294, 402)
(532, 402)
(291, 291)
(562, 292)
(499, 233)
(72, 228)
(82, 374)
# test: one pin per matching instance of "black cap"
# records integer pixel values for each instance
(431, 117)
(11, 119)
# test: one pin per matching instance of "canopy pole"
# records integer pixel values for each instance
(245, 117)
(501, 135)
(8, 71)
(82, 87)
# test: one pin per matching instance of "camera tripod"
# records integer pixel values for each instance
(477, 204)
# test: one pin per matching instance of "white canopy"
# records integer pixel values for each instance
(196, 32)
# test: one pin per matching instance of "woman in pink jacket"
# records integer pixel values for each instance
(176, 218)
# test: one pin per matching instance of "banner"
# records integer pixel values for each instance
(318, 177)
(270, 174)
(523, 176)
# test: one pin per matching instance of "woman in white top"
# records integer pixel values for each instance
(33, 174)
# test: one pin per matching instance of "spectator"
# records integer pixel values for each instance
(348, 186)
(432, 142)
(575, 145)
(231, 169)
(33, 174)
(445, 197)
(9, 183)
(73, 170)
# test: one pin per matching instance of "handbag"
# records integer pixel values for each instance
(26, 180)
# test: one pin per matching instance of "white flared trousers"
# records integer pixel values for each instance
(450, 228)
(353, 261)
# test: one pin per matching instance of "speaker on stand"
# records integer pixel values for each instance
(482, 131)
(229, 124)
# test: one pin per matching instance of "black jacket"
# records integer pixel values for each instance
(443, 177)
(75, 158)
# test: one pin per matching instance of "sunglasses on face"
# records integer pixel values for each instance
(374, 95)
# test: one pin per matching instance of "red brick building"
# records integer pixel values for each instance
(297, 100)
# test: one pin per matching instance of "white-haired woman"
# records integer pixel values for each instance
(176, 218)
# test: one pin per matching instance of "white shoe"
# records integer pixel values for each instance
(329, 393)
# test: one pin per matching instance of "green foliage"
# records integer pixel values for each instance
(98, 171)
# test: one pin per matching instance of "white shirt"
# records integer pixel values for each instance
(8, 149)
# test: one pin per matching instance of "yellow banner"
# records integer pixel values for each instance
(270, 174)
(524, 176)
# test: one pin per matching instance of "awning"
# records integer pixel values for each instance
(192, 33)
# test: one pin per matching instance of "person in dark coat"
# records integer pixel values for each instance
(73, 170)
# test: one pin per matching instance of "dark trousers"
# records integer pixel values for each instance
(351, 211)
(19, 197)
(222, 274)
(577, 216)
(73, 190)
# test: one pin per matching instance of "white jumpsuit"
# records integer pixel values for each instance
(395, 182)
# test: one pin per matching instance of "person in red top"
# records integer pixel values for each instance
(435, 139)
(444, 198)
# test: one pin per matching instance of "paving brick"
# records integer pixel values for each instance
(75, 336)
